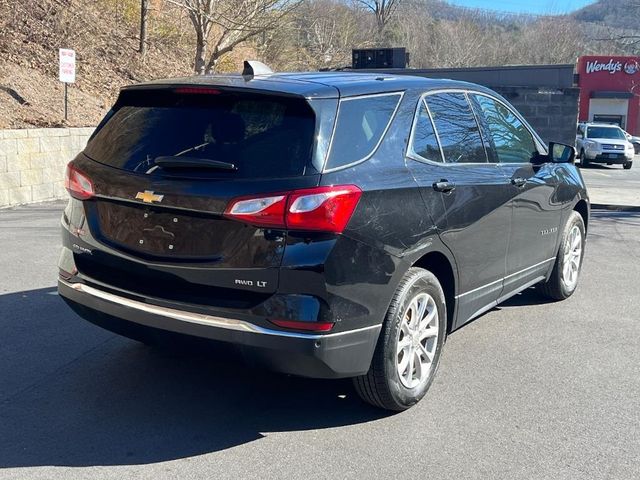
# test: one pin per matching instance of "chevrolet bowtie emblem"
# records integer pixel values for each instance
(149, 197)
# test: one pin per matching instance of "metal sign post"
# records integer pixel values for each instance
(67, 73)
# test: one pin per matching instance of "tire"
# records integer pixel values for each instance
(561, 283)
(384, 386)
(628, 165)
(584, 161)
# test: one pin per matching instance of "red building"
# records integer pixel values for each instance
(610, 91)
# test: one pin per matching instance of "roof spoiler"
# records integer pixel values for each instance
(254, 67)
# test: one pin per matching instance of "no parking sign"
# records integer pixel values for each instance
(67, 71)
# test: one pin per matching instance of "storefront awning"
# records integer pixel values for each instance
(604, 94)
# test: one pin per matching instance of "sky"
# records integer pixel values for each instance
(525, 6)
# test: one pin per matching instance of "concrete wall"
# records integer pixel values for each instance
(544, 94)
(553, 113)
(33, 161)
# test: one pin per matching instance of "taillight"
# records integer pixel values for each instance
(263, 211)
(325, 209)
(308, 326)
(78, 184)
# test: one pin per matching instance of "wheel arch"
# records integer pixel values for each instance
(444, 269)
(582, 207)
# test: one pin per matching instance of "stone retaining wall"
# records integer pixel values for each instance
(33, 161)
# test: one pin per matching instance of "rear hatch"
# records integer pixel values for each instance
(165, 164)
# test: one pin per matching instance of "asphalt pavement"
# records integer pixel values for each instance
(613, 185)
(530, 390)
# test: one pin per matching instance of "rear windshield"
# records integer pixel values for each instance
(261, 135)
(605, 132)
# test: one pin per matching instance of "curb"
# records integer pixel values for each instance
(615, 208)
(52, 202)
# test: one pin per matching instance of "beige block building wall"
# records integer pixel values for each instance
(33, 162)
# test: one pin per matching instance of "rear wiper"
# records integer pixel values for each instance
(190, 162)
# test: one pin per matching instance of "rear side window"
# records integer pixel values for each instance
(361, 124)
(512, 142)
(457, 128)
(263, 136)
(424, 142)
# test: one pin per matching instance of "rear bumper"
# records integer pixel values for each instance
(333, 355)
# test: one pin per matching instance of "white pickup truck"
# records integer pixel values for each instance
(603, 143)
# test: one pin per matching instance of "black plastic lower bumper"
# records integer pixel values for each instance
(617, 160)
(337, 355)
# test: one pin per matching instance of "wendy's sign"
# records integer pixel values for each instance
(612, 66)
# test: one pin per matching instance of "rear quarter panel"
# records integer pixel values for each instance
(390, 229)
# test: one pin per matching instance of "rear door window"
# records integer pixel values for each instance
(262, 135)
(457, 128)
(361, 124)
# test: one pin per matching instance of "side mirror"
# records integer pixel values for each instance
(579, 136)
(561, 153)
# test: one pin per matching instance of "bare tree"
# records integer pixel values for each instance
(318, 35)
(383, 11)
(221, 25)
(331, 30)
(144, 32)
(627, 39)
(551, 40)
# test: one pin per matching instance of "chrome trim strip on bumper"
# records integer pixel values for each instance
(200, 318)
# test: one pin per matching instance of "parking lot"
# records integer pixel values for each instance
(528, 390)
(613, 185)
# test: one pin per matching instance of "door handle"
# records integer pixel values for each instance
(444, 186)
(518, 181)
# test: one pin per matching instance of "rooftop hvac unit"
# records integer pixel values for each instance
(380, 58)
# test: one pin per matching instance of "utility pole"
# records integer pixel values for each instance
(144, 20)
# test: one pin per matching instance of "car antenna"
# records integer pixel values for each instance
(254, 67)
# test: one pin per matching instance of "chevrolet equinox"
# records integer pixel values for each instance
(326, 224)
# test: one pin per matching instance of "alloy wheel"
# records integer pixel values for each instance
(572, 258)
(417, 340)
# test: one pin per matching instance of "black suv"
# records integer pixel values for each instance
(327, 224)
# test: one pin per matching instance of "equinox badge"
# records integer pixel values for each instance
(149, 197)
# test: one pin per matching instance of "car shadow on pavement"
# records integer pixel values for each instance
(530, 296)
(72, 394)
